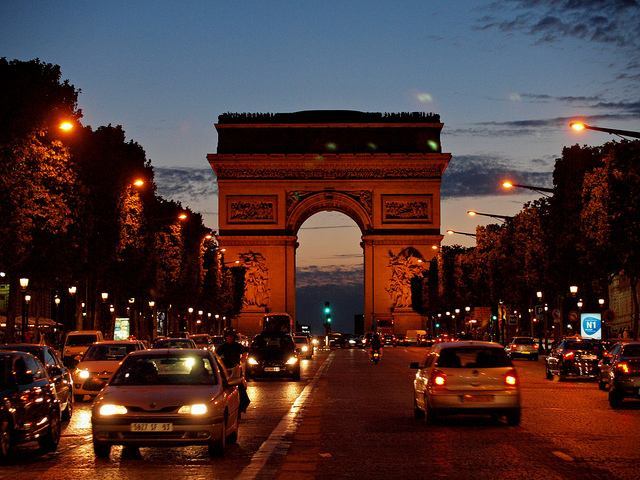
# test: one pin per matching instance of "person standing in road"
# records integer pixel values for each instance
(231, 352)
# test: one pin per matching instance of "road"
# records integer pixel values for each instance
(350, 419)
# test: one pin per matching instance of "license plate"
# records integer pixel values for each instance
(477, 398)
(152, 427)
(271, 369)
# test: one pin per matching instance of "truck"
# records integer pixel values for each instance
(277, 323)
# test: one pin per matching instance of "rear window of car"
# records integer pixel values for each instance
(80, 340)
(523, 341)
(166, 370)
(473, 357)
(97, 353)
(631, 351)
(586, 346)
(173, 344)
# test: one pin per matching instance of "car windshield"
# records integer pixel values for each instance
(173, 343)
(631, 351)
(80, 340)
(585, 346)
(523, 341)
(473, 357)
(105, 352)
(165, 370)
(272, 341)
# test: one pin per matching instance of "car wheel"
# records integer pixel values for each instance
(549, 374)
(615, 398)
(68, 412)
(78, 398)
(6, 442)
(101, 450)
(418, 413)
(217, 446)
(513, 417)
(49, 441)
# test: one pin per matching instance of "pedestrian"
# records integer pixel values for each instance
(231, 352)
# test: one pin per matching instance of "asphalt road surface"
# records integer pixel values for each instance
(348, 418)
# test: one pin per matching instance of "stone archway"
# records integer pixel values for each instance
(381, 170)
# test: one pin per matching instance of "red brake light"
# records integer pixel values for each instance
(512, 347)
(569, 356)
(438, 378)
(511, 378)
(623, 367)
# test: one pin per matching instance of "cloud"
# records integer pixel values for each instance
(314, 276)
(185, 184)
(477, 175)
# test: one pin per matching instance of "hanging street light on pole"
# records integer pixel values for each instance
(579, 126)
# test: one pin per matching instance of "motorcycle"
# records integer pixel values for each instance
(375, 356)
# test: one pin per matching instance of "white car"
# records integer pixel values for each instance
(98, 364)
(466, 377)
(76, 343)
(170, 397)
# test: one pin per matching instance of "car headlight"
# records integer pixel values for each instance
(252, 361)
(315, 341)
(305, 348)
(109, 409)
(195, 409)
(83, 374)
(292, 361)
(352, 342)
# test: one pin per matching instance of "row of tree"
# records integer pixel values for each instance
(81, 208)
(583, 234)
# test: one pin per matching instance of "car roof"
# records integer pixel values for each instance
(467, 343)
(117, 342)
(171, 339)
(10, 346)
(162, 352)
(84, 332)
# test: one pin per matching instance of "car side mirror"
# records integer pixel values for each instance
(414, 366)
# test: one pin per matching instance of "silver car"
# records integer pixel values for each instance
(466, 377)
(167, 397)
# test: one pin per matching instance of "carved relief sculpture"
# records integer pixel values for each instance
(407, 264)
(407, 208)
(256, 280)
(252, 208)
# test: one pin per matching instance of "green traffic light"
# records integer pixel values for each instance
(328, 319)
(327, 310)
(437, 325)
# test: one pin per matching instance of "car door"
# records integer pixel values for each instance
(422, 377)
(231, 395)
(58, 374)
(33, 387)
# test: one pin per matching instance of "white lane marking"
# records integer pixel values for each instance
(563, 456)
(281, 436)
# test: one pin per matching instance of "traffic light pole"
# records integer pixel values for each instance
(327, 317)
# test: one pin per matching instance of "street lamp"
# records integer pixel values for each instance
(138, 183)
(473, 213)
(539, 295)
(452, 232)
(66, 126)
(183, 216)
(508, 185)
(104, 296)
(601, 302)
(72, 290)
(578, 126)
(573, 289)
(467, 309)
(24, 283)
(579, 304)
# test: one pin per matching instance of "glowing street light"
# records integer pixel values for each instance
(454, 232)
(473, 213)
(539, 295)
(138, 183)
(24, 283)
(578, 126)
(72, 290)
(601, 301)
(152, 303)
(508, 185)
(104, 296)
(66, 126)
(183, 216)
(573, 289)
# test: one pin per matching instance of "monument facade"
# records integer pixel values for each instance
(274, 171)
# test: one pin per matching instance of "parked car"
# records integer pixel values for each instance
(573, 357)
(57, 372)
(76, 343)
(30, 410)
(303, 346)
(167, 397)
(174, 342)
(466, 377)
(623, 375)
(522, 347)
(98, 364)
(273, 354)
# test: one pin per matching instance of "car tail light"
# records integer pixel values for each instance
(623, 367)
(569, 356)
(513, 347)
(438, 378)
(511, 378)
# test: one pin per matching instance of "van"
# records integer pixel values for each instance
(76, 343)
(411, 338)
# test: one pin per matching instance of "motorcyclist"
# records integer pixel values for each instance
(231, 352)
(376, 343)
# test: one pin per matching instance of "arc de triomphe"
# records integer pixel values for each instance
(274, 171)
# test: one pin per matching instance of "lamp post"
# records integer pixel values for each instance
(154, 320)
(508, 185)
(455, 232)
(190, 319)
(24, 283)
(217, 317)
(578, 126)
(504, 218)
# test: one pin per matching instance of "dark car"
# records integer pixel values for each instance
(574, 357)
(30, 410)
(57, 372)
(623, 375)
(273, 354)
(174, 343)
(389, 339)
